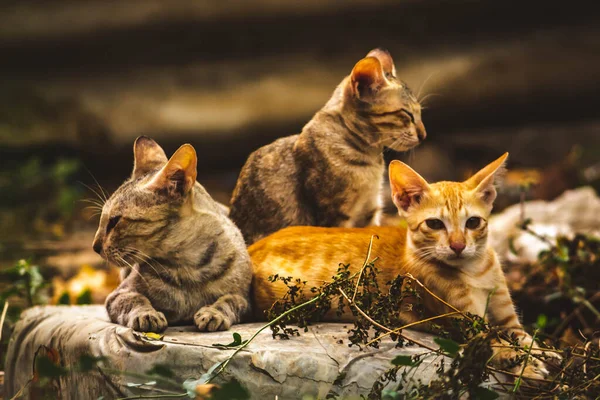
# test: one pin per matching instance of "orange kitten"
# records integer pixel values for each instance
(444, 246)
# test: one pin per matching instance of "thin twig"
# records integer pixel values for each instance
(408, 275)
(365, 263)
(19, 394)
(520, 378)
(225, 363)
(517, 375)
(385, 328)
(397, 330)
(154, 396)
(3, 317)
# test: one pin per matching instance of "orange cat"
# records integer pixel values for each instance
(444, 246)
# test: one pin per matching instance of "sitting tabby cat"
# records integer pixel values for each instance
(186, 260)
(332, 172)
(444, 246)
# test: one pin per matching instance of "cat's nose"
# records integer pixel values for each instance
(457, 247)
(97, 246)
(421, 132)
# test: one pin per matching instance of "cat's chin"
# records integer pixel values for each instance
(405, 146)
(456, 261)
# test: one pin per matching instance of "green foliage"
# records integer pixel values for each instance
(161, 370)
(231, 390)
(563, 284)
(383, 306)
(25, 282)
(237, 341)
(85, 297)
(448, 346)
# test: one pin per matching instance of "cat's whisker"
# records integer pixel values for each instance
(150, 262)
(133, 269)
(100, 197)
(428, 96)
(104, 193)
(145, 257)
(423, 84)
(93, 202)
(145, 262)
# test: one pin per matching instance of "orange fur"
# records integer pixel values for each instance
(451, 257)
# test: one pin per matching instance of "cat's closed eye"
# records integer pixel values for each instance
(435, 224)
(410, 115)
(473, 223)
(112, 222)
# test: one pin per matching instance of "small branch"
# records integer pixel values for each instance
(385, 328)
(365, 263)
(520, 378)
(153, 396)
(397, 330)
(225, 363)
(3, 317)
(517, 375)
(438, 298)
(19, 394)
(364, 314)
(140, 376)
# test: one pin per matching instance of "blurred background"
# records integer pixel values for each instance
(81, 79)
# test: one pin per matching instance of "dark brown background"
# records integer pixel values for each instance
(83, 78)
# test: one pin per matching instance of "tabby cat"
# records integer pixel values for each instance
(184, 260)
(332, 172)
(444, 245)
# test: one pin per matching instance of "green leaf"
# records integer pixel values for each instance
(87, 362)
(404, 360)
(481, 393)
(232, 390)
(84, 297)
(190, 384)
(64, 299)
(237, 341)
(161, 370)
(389, 394)
(448, 345)
(47, 369)
(542, 321)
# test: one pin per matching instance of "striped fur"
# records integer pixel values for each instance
(332, 172)
(465, 280)
(184, 261)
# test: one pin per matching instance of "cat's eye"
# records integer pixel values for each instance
(112, 223)
(410, 115)
(434, 223)
(473, 223)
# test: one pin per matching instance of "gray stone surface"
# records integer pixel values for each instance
(575, 211)
(308, 364)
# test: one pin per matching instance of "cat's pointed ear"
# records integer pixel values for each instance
(179, 175)
(147, 156)
(484, 181)
(385, 58)
(407, 186)
(367, 78)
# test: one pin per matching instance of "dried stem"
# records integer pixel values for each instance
(438, 298)
(365, 263)
(397, 330)
(385, 328)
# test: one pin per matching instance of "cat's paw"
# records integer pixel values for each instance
(147, 321)
(535, 369)
(211, 319)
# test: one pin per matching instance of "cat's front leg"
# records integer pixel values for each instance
(502, 313)
(134, 310)
(223, 313)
